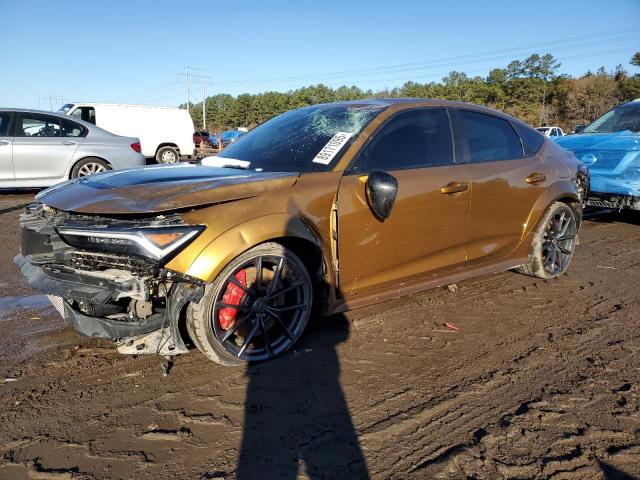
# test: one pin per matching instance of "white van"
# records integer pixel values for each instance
(165, 133)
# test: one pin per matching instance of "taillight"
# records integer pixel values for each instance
(136, 146)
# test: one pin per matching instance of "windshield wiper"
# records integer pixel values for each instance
(236, 166)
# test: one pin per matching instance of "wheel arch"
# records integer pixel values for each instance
(166, 144)
(292, 232)
(75, 162)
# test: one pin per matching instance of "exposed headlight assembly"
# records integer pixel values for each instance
(582, 181)
(157, 243)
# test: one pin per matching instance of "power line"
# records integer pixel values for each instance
(438, 62)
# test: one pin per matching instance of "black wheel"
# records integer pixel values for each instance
(256, 309)
(553, 243)
(167, 155)
(89, 166)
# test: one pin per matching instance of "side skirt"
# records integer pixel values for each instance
(383, 295)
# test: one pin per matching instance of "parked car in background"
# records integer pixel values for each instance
(38, 149)
(227, 137)
(323, 208)
(201, 136)
(551, 131)
(610, 148)
(165, 133)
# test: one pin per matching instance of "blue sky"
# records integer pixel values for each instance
(133, 51)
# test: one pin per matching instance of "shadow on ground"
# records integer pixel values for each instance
(296, 415)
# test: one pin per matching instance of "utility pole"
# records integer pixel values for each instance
(51, 99)
(204, 108)
(186, 76)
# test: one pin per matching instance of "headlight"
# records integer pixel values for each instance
(151, 242)
(582, 181)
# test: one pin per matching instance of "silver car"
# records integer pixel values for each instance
(38, 149)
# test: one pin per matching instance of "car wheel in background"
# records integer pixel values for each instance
(167, 155)
(554, 241)
(89, 166)
(255, 309)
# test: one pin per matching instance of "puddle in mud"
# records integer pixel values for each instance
(12, 304)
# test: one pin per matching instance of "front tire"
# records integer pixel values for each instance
(167, 155)
(255, 309)
(554, 242)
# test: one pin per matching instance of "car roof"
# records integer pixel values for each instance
(29, 110)
(425, 102)
(95, 130)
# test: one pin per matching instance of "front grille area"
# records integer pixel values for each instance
(83, 260)
(41, 244)
(604, 159)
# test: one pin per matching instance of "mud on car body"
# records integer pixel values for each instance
(321, 209)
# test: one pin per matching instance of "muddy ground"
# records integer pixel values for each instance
(542, 380)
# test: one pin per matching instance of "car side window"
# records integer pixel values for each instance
(531, 138)
(5, 119)
(412, 139)
(88, 114)
(489, 138)
(73, 129)
(38, 126)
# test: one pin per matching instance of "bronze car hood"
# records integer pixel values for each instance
(160, 189)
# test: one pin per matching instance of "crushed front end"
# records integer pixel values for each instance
(106, 276)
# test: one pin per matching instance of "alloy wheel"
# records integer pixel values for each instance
(261, 309)
(91, 168)
(558, 243)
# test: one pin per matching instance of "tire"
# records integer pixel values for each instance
(266, 323)
(167, 155)
(89, 166)
(554, 242)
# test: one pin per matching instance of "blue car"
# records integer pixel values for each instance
(228, 136)
(610, 148)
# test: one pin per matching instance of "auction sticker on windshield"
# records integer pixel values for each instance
(331, 149)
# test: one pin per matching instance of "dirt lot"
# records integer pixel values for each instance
(542, 380)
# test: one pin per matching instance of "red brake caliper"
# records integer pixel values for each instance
(233, 295)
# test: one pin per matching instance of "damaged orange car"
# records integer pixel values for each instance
(320, 209)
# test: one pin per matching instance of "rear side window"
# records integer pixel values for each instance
(531, 138)
(417, 138)
(488, 138)
(4, 124)
(38, 126)
(73, 129)
(88, 114)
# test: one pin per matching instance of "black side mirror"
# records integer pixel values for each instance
(579, 128)
(381, 190)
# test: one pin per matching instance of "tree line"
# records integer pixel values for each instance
(531, 89)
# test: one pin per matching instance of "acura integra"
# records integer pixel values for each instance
(318, 210)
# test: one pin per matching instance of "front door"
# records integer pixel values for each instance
(505, 185)
(40, 148)
(428, 226)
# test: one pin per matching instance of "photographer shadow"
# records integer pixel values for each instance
(296, 416)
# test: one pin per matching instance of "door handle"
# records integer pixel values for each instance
(69, 142)
(4, 142)
(535, 178)
(454, 187)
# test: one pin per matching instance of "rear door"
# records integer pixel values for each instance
(428, 226)
(505, 184)
(41, 147)
(6, 147)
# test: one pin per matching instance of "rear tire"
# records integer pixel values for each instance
(167, 155)
(89, 166)
(554, 242)
(269, 317)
